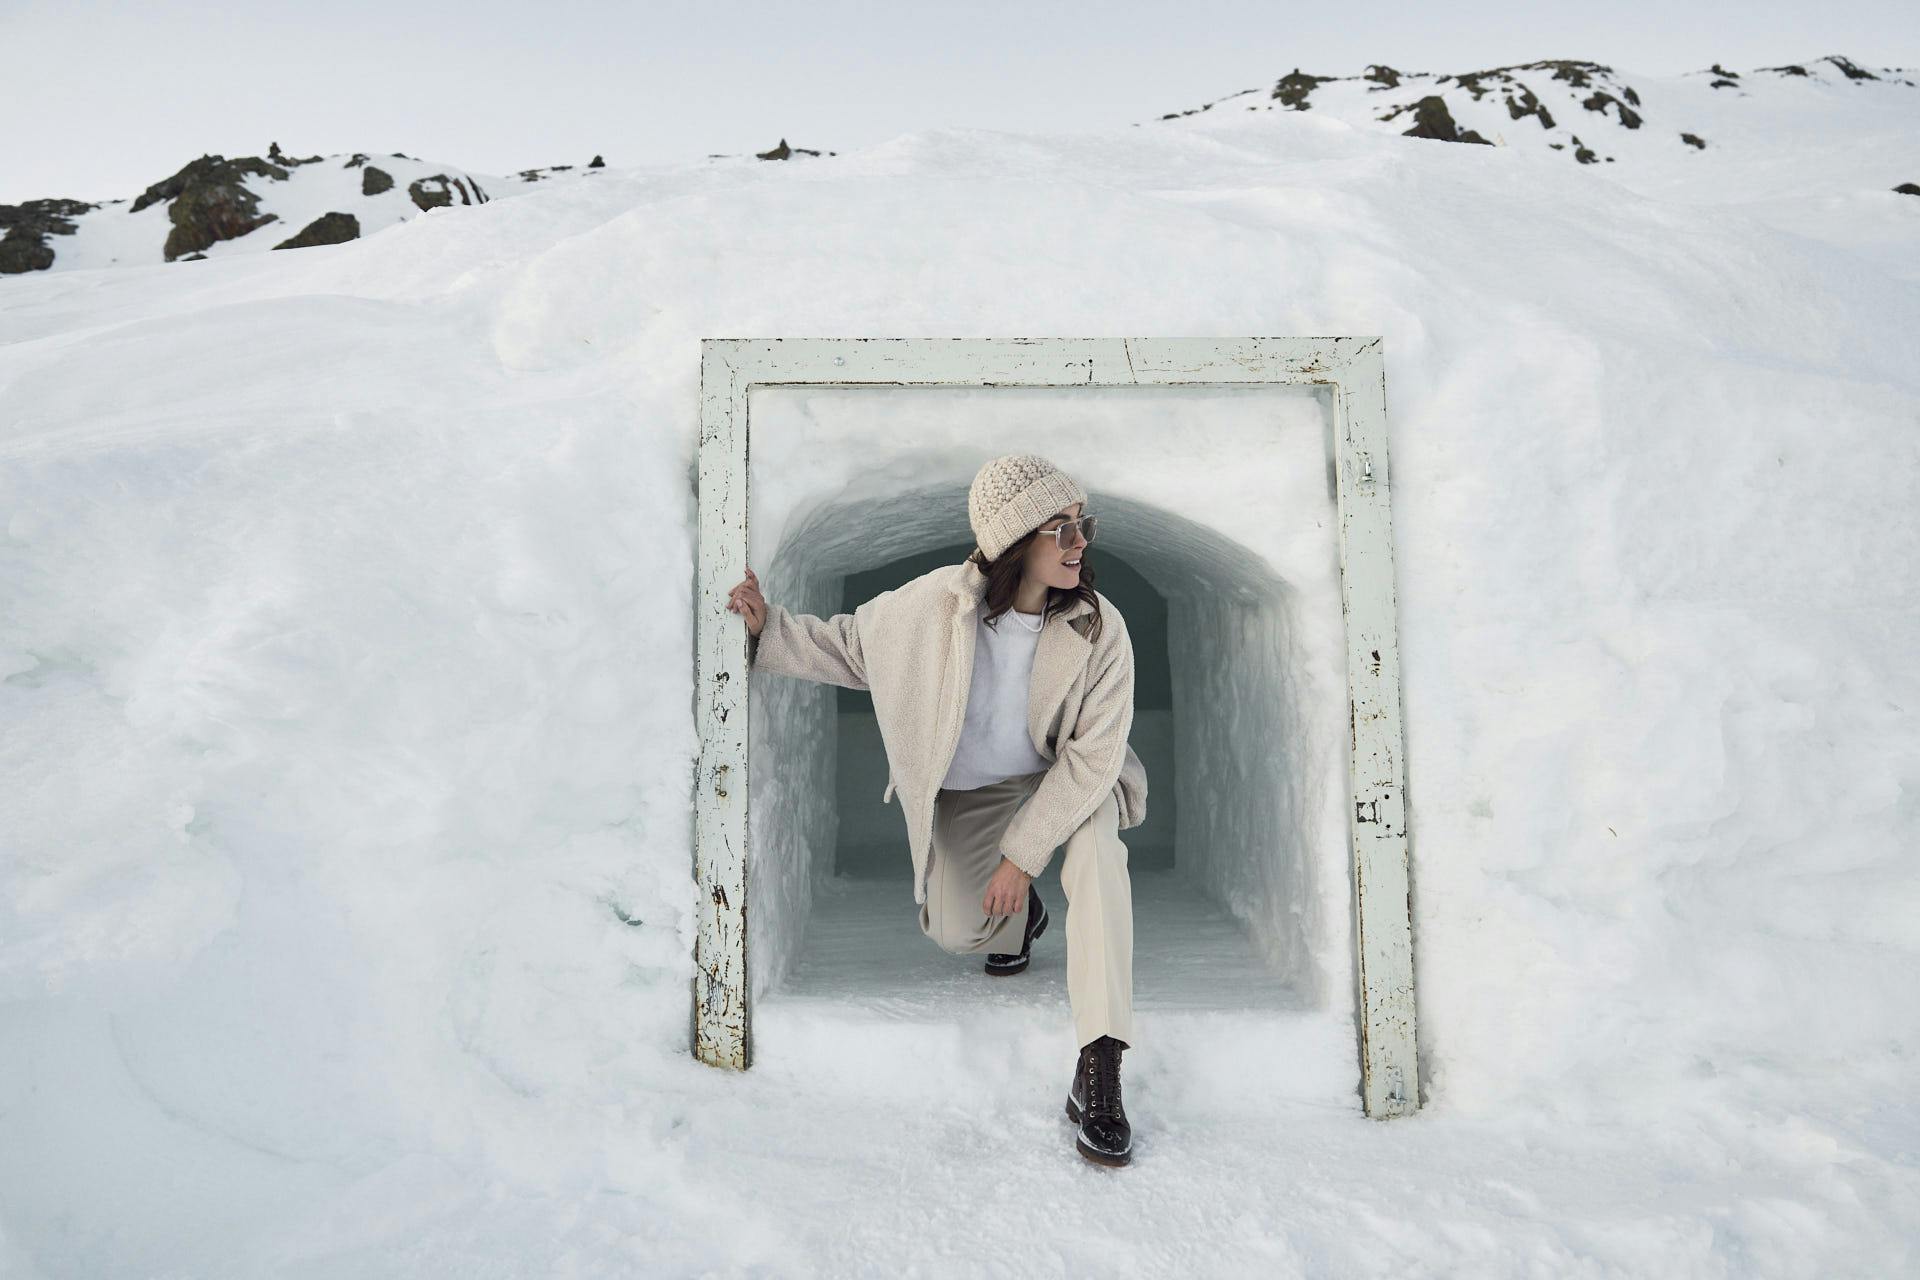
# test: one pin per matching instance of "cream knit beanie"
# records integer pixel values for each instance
(1015, 494)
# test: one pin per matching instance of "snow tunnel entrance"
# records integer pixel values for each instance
(1220, 542)
(1239, 869)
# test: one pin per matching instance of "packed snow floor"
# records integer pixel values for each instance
(1205, 1005)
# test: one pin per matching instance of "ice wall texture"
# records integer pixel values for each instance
(1219, 496)
(347, 715)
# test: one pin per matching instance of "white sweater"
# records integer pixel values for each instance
(994, 745)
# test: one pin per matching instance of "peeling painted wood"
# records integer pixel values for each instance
(1381, 885)
(720, 1026)
(1352, 367)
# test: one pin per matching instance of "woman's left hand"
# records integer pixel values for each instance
(1007, 891)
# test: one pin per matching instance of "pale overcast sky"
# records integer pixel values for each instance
(103, 99)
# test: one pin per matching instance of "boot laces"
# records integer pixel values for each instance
(1103, 1080)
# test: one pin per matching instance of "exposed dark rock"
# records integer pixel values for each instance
(1599, 101)
(436, 191)
(1847, 67)
(359, 158)
(1909, 188)
(1208, 106)
(596, 163)
(537, 175)
(1789, 70)
(206, 170)
(431, 193)
(1694, 141)
(1295, 86)
(1523, 104)
(1723, 73)
(783, 151)
(1582, 152)
(24, 247)
(278, 157)
(1577, 74)
(1628, 93)
(1433, 120)
(374, 180)
(1471, 81)
(1383, 77)
(210, 201)
(328, 228)
(1724, 84)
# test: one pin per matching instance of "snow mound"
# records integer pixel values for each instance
(345, 884)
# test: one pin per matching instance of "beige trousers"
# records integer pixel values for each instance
(966, 837)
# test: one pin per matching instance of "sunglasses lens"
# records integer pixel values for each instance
(1064, 534)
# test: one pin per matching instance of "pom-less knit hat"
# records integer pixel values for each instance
(1014, 495)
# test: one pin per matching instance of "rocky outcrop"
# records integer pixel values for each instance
(784, 152)
(24, 247)
(1523, 104)
(1628, 117)
(216, 199)
(438, 190)
(1431, 119)
(1295, 89)
(210, 201)
(1550, 92)
(281, 158)
(1849, 70)
(328, 228)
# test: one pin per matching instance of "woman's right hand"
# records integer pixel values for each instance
(746, 600)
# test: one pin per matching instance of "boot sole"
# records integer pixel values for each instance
(1091, 1153)
(1001, 971)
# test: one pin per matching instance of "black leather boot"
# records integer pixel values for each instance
(1001, 962)
(1093, 1103)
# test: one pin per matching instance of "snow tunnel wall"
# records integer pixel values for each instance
(1220, 497)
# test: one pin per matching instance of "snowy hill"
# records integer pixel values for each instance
(346, 733)
(1591, 114)
(1821, 130)
(216, 206)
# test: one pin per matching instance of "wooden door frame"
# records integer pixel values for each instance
(1353, 367)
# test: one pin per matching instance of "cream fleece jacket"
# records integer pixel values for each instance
(912, 648)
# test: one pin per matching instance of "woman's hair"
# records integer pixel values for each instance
(1003, 583)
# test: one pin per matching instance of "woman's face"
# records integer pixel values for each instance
(1046, 562)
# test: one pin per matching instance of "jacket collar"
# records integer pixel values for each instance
(969, 584)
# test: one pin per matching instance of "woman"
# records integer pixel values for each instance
(1006, 737)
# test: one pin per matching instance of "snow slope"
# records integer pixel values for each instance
(345, 734)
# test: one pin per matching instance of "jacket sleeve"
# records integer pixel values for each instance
(1088, 764)
(826, 650)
